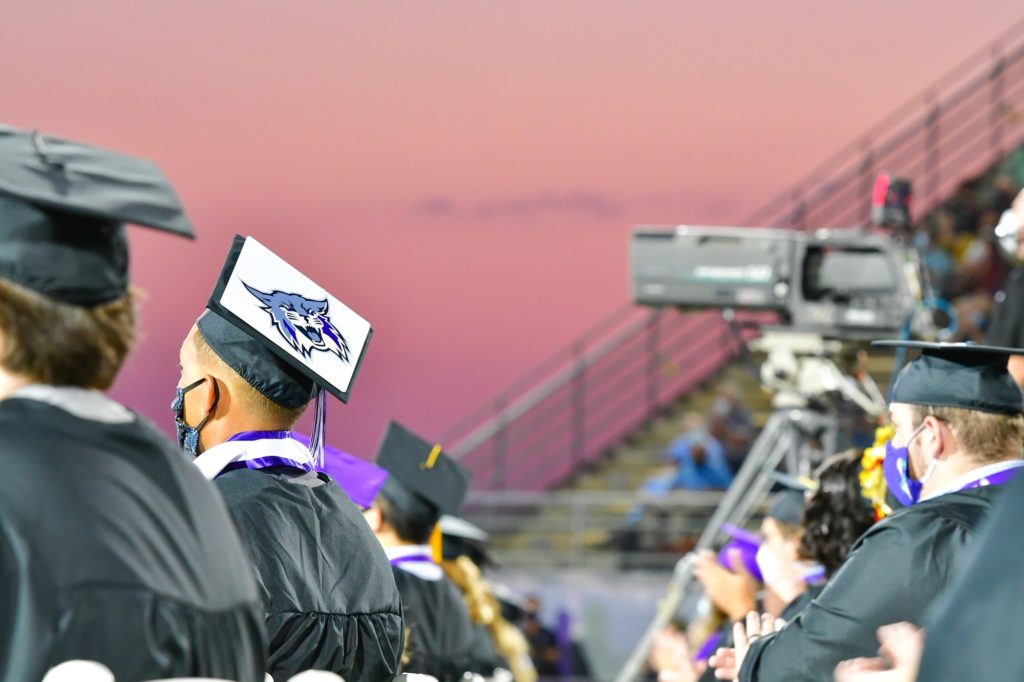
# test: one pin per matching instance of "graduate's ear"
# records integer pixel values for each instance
(935, 439)
(208, 396)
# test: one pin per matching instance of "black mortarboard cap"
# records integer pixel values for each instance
(424, 482)
(459, 537)
(63, 207)
(255, 362)
(961, 375)
(801, 484)
(281, 332)
(788, 507)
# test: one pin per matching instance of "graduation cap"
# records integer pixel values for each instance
(788, 507)
(459, 537)
(361, 480)
(744, 543)
(961, 375)
(801, 484)
(284, 334)
(63, 208)
(424, 483)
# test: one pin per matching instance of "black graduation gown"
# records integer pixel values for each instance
(330, 599)
(113, 548)
(441, 634)
(974, 630)
(486, 658)
(788, 613)
(892, 574)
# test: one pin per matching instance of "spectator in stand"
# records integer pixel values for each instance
(964, 206)
(1004, 189)
(936, 244)
(983, 270)
(543, 645)
(731, 425)
(1007, 328)
(700, 458)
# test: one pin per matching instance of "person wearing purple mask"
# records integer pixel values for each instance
(958, 420)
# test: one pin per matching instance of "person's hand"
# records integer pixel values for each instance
(899, 657)
(670, 657)
(728, 662)
(734, 592)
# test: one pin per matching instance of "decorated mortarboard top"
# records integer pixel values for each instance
(424, 483)
(361, 480)
(284, 334)
(63, 207)
(964, 375)
(281, 331)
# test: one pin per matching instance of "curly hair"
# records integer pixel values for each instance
(837, 514)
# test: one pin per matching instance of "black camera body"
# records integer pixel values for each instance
(849, 284)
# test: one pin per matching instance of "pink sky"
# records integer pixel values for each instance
(463, 174)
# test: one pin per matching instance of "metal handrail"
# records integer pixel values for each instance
(956, 127)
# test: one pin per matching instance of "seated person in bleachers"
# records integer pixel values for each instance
(699, 458)
(1007, 328)
(731, 425)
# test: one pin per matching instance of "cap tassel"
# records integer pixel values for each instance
(319, 433)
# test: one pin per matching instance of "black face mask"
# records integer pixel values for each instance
(188, 436)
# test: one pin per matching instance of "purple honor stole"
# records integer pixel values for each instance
(419, 558)
(276, 451)
(999, 478)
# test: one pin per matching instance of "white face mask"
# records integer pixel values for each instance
(928, 472)
(930, 469)
(769, 564)
(1006, 232)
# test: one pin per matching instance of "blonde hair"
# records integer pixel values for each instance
(986, 436)
(62, 344)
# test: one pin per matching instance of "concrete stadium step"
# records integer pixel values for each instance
(642, 456)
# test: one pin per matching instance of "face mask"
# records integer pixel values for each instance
(1006, 232)
(188, 436)
(768, 563)
(896, 468)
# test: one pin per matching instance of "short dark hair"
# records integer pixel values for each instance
(251, 400)
(404, 527)
(62, 344)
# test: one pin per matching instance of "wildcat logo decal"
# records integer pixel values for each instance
(303, 323)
